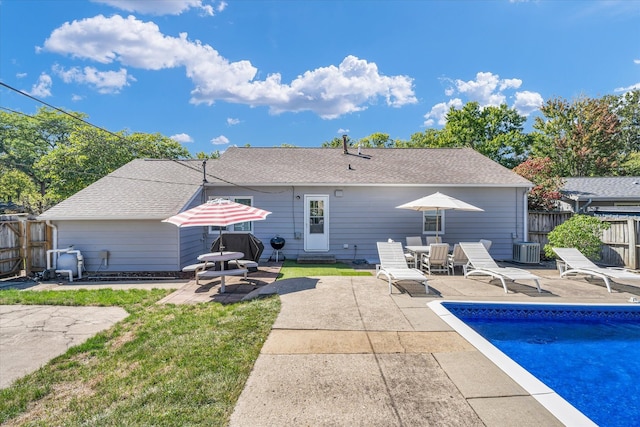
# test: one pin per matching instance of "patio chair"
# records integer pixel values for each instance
(457, 259)
(574, 262)
(433, 239)
(486, 243)
(437, 258)
(481, 263)
(412, 241)
(394, 266)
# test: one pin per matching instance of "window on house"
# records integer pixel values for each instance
(433, 222)
(241, 227)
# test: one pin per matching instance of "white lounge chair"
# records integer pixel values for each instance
(481, 263)
(457, 259)
(394, 265)
(436, 259)
(576, 263)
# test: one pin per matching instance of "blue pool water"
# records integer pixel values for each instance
(589, 355)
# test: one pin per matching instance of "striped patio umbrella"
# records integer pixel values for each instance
(218, 213)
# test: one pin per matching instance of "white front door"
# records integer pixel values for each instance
(316, 223)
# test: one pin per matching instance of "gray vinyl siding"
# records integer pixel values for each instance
(148, 245)
(361, 217)
(366, 215)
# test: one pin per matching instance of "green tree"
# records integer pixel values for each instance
(92, 153)
(581, 232)
(375, 140)
(627, 109)
(25, 139)
(16, 186)
(582, 138)
(496, 132)
(546, 193)
(631, 166)
(427, 139)
(213, 155)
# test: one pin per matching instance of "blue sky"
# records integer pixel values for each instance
(211, 74)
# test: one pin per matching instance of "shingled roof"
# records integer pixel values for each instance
(141, 189)
(157, 189)
(374, 166)
(602, 188)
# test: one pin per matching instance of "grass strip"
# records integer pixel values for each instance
(291, 269)
(163, 365)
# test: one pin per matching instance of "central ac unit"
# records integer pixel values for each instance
(526, 252)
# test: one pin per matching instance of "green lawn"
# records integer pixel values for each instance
(291, 269)
(163, 365)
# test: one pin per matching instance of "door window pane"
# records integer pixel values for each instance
(316, 217)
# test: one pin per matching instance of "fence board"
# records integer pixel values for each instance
(23, 245)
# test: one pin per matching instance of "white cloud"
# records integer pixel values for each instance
(21, 75)
(628, 88)
(103, 81)
(42, 88)
(342, 131)
(636, 61)
(438, 113)
(182, 138)
(160, 7)
(527, 102)
(222, 6)
(231, 121)
(220, 140)
(329, 91)
(76, 98)
(487, 89)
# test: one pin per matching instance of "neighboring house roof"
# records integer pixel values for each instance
(615, 188)
(141, 189)
(157, 189)
(375, 166)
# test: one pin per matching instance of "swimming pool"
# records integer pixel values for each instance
(580, 361)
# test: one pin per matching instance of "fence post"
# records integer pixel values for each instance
(632, 225)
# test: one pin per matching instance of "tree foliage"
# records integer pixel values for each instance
(546, 192)
(61, 155)
(582, 138)
(581, 232)
(496, 132)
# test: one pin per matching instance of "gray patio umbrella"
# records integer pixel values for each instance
(438, 202)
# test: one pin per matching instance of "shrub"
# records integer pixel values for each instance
(581, 232)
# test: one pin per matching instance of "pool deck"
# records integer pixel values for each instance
(344, 352)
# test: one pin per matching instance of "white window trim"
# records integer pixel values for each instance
(441, 223)
(230, 228)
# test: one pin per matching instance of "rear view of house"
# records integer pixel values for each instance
(323, 201)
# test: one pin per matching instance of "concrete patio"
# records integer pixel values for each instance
(344, 352)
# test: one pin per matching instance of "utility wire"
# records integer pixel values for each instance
(122, 138)
(59, 109)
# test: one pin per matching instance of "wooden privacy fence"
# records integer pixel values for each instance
(542, 223)
(620, 243)
(23, 246)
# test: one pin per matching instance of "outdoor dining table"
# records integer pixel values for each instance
(221, 258)
(417, 252)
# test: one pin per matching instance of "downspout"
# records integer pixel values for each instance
(54, 234)
(586, 205)
(525, 223)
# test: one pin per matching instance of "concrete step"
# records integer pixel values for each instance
(316, 259)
